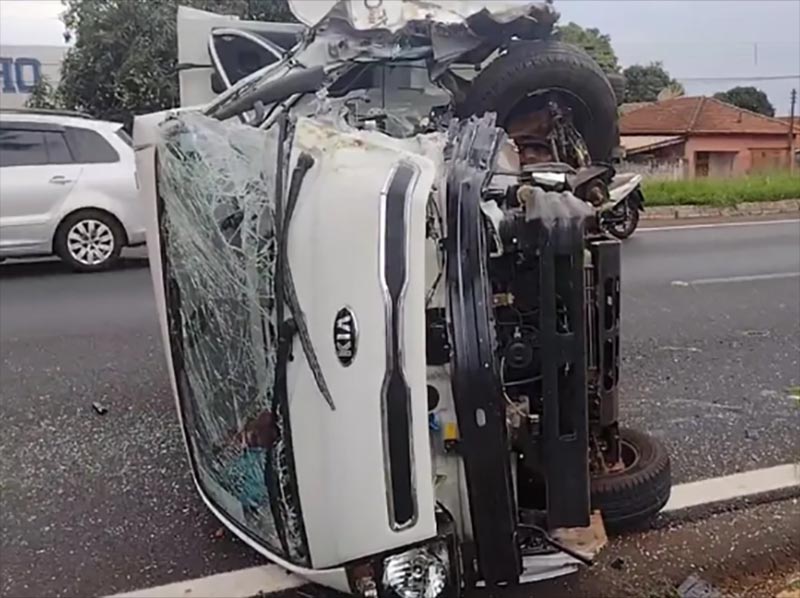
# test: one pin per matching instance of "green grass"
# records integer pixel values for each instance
(722, 192)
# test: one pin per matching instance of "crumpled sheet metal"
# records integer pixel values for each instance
(394, 15)
(217, 184)
(449, 30)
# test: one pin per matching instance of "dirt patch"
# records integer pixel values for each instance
(780, 582)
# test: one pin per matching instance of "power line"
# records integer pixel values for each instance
(743, 78)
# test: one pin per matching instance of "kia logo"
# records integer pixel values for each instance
(345, 336)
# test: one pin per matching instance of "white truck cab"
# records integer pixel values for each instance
(394, 350)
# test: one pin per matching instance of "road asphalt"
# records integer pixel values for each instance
(96, 504)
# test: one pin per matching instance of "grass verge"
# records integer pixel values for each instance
(722, 192)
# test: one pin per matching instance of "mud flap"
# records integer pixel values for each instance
(636, 199)
(476, 387)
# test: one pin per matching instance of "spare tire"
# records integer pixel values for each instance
(631, 496)
(530, 68)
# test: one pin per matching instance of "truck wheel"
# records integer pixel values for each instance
(632, 495)
(531, 69)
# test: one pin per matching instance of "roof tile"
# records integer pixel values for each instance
(697, 115)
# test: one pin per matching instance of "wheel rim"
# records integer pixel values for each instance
(90, 242)
(624, 228)
(629, 457)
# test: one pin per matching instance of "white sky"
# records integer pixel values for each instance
(31, 22)
(700, 38)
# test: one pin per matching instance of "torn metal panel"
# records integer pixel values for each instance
(396, 14)
(441, 32)
(217, 188)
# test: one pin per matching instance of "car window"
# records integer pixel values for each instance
(22, 148)
(89, 147)
(57, 150)
(240, 56)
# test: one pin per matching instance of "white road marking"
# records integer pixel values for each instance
(735, 486)
(243, 583)
(751, 278)
(655, 229)
(267, 579)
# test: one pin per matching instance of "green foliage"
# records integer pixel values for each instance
(596, 44)
(267, 10)
(124, 59)
(43, 96)
(645, 83)
(722, 192)
(749, 98)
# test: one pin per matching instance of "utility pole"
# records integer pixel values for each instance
(793, 101)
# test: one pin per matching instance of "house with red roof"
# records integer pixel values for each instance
(706, 137)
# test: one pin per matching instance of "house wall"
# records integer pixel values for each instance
(741, 144)
(666, 163)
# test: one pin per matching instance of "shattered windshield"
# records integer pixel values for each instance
(217, 197)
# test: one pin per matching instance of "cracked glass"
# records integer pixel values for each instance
(217, 217)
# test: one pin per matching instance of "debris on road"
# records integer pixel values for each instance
(696, 587)
(618, 563)
(99, 408)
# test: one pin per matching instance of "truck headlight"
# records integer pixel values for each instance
(417, 573)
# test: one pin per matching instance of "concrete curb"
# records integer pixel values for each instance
(751, 208)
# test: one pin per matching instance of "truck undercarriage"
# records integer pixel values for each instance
(461, 425)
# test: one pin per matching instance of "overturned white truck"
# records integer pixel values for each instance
(392, 328)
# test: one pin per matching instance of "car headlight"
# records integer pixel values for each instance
(417, 573)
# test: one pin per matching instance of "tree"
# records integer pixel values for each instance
(43, 96)
(266, 10)
(645, 83)
(671, 91)
(125, 54)
(596, 44)
(749, 98)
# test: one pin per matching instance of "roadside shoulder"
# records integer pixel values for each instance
(740, 210)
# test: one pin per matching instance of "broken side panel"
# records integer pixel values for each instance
(216, 187)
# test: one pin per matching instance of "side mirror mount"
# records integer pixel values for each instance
(217, 84)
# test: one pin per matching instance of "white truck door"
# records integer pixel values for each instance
(215, 51)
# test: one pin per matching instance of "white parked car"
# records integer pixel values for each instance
(67, 187)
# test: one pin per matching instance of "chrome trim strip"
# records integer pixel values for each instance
(394, 338)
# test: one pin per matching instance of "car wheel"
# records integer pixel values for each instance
(638, 490)
(89, 240)
(623, 230)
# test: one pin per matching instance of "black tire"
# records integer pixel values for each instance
(530, 67)
(627, 228)
(618, 84)
(61, 247)
(630, 497)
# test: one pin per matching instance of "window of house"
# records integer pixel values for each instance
(701, 160)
